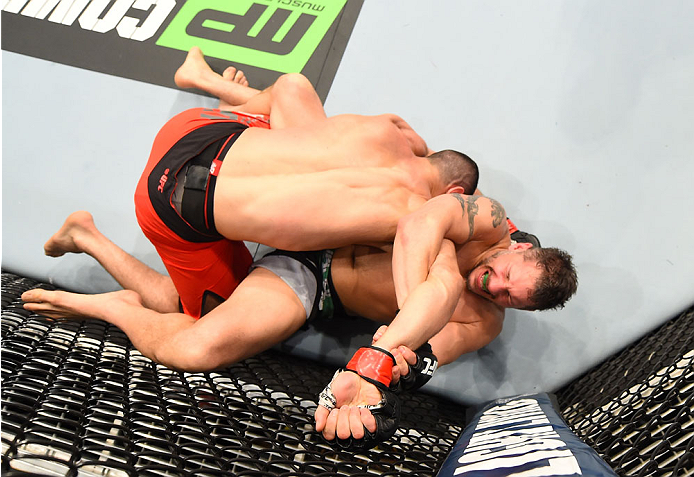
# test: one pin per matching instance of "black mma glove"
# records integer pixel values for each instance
(375, 365)
(420, 373)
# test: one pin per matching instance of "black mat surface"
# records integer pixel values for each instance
(147, 41)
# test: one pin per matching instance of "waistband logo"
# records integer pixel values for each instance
(162, 180)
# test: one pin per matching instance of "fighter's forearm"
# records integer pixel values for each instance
(429, 306)
(457, 339)
(418, 242)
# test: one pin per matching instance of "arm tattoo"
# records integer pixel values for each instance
(472, 210)
(498, 213)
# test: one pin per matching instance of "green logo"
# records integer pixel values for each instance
(278, 35)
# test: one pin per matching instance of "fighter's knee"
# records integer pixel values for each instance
(204, 356)
(293, 84)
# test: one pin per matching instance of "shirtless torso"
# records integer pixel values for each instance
(346, 180)
(342, 141)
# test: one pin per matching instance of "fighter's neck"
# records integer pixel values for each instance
(432, 177)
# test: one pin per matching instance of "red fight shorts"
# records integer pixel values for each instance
(174, 204)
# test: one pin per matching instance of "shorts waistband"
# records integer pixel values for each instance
(193, 196)
(190, 160)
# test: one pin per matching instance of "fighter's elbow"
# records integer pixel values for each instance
(411, 226)
(454, 284)
(448, 280)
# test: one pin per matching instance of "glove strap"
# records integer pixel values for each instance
(373, 363)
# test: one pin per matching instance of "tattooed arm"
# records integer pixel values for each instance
(460, 218)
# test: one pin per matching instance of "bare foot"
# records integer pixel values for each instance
(193, 68)
(196, 73)
(77, 226)
(60, 304)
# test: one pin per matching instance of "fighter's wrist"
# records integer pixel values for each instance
(374, 363)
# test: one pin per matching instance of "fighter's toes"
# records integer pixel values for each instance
(234, 75)
(35, 295)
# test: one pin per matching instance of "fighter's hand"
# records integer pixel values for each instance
(379, 333)
(421, 365)
(343, 418)
(357, 407)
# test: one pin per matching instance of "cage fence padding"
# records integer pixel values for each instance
(636, 408)
(79, 399)
(521, 435)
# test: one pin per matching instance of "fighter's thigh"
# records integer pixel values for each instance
(262, 311)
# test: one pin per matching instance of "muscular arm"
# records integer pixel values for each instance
(474, 324)
(429, 300)
(425, 312)
(430, 305)
(459, 218)
(457, 338)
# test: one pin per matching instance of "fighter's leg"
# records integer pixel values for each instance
(79, 235)
(261, 312)
(196, 73)
(290, 101)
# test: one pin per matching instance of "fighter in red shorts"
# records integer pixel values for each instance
(287, 187)
(175, 207)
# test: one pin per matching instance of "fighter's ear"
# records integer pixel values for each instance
(518, 246)
(455, 189)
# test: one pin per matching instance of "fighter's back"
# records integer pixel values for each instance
(337, 142)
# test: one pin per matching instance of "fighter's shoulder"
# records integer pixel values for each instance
(479, 204)
(486, 218)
